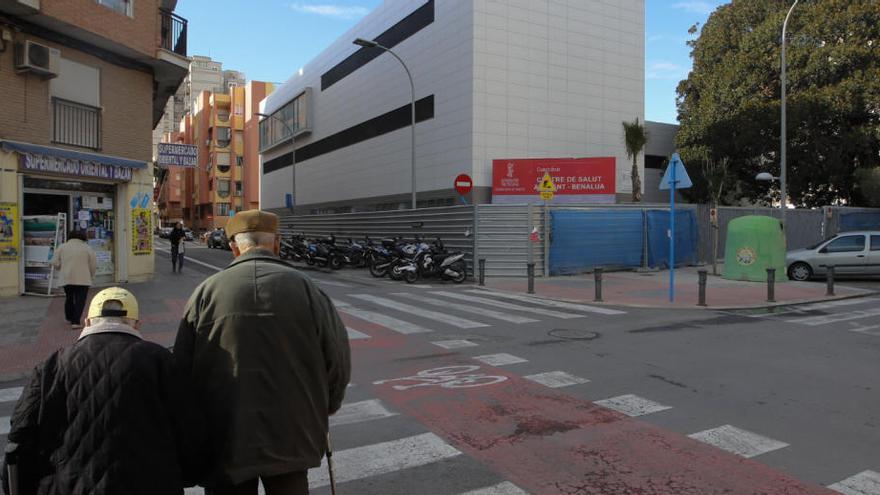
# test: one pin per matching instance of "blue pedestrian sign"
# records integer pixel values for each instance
(676, 173)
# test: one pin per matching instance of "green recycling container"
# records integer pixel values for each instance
(754, 244)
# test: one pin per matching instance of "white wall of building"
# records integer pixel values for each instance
(510, 79)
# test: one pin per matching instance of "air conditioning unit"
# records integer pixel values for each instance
(37, 58)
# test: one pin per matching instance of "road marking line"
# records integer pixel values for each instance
(738, 441)
(454, 344)
(388, 322)
(10, 394)
(835, 318)
(356, 335)
(553, 304)
(867, 330)
(424, 313)
(500, 359)
(632, 405)
(321, 281)
(340, 304)
(382, 458)
(812, 307)
(467, 309)
(506, 488)
(506, 305)
(556, 379)
(421, 286)
(4, 425)
(189, 259)
(358, 412)
(864, 483)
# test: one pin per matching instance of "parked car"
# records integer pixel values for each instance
(851, 253)
(164, 232)
(188, 235)
(217, 239)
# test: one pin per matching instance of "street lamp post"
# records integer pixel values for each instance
(292, 154)
(782, 130)
(372, 44)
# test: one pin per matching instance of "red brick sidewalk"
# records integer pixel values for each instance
(651, 289)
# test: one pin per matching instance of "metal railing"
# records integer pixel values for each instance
(174, 32)
(76, 124)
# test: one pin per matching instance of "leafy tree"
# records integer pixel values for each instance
(635, 137)
(869, 186)
(729, 106)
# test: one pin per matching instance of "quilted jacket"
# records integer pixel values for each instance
(100, 417)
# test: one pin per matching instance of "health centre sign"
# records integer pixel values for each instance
(577, 180)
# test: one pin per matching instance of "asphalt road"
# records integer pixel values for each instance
(458, 390)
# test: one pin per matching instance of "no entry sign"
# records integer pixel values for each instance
(463, 184)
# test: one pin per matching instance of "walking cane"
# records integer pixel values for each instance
(330, 466)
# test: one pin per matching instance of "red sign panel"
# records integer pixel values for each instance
(463, 184)
(586, 180)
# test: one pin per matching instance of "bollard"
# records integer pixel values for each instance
(830, 281)
(482, 265)
(702, 298)
(597, 274)
(531, 272)
(771, 285)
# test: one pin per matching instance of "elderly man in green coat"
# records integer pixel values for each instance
(268, 360)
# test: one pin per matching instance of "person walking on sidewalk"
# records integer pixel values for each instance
(177, 238)
(100, 417)
(77, 262)
(268, 359)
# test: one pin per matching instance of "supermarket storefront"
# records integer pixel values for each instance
(47, 191)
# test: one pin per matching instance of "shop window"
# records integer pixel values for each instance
(223, 209)
(238, 188)
(122, 6)
(223, 188)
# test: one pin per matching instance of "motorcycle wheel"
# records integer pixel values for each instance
(461, 268)
(411, 277)
(395, 274)
(323, 263)
(376, 271)
(335, 262)
(310, 261)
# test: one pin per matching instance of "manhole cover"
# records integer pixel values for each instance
(573, 334)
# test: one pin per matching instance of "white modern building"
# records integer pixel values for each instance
(494, 79)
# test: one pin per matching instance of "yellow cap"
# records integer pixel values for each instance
(252, 221)
(126, 298)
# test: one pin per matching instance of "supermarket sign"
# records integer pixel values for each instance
(177, 155)
(577, 180)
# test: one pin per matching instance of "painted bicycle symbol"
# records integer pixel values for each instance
(446, 377)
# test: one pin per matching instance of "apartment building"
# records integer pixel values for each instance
(83, 84)
(225, 127)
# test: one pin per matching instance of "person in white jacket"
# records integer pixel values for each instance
(77, 263)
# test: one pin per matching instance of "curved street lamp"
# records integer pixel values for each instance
(292, 154)
(372, 44)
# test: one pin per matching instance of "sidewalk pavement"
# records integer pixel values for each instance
(651, 290)
(32, 327)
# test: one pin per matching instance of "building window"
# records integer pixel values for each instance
(238, 188)
(210, 184)
(239, 160)
(122, 6)
(296, 114)
(223, 209)
(224, 135)
(76, 102)
(222, 188)
(223, 162)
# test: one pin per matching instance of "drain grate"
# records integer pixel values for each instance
(573, 334)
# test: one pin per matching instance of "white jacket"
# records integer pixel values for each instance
(77, 262)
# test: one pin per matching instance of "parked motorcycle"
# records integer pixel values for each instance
(435, 261)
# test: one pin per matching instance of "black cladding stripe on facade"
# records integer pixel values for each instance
(369, 129)
(408, 26)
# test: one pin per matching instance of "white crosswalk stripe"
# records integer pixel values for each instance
(632, 405)
(864, 483)
(10, 394)
(358, 412)
(836, 318)
(388, 322)
(4, 425)
(331, 283)
(550, 303)
(556, 379)
(506, 305)
(466, 309)
(454, 344)
(423, 313)
(382, 458)
(738, 441)
(500, 359)
(356, 335)
(506, 488)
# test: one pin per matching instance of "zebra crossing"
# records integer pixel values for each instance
(857, 315)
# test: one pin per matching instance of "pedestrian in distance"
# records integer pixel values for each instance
(268, 360)
(177, 236)
(100, 417)
(77, 262)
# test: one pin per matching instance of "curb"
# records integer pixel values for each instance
(765, 305)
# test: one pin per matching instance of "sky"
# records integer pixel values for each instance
(235, 32)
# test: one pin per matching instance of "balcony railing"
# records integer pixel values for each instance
(173, 32)
(76, 124)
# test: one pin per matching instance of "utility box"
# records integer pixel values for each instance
(754, 244)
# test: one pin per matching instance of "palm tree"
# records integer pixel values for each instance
(635, 137)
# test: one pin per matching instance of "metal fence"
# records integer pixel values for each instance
(76, 124)
(503, 239)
